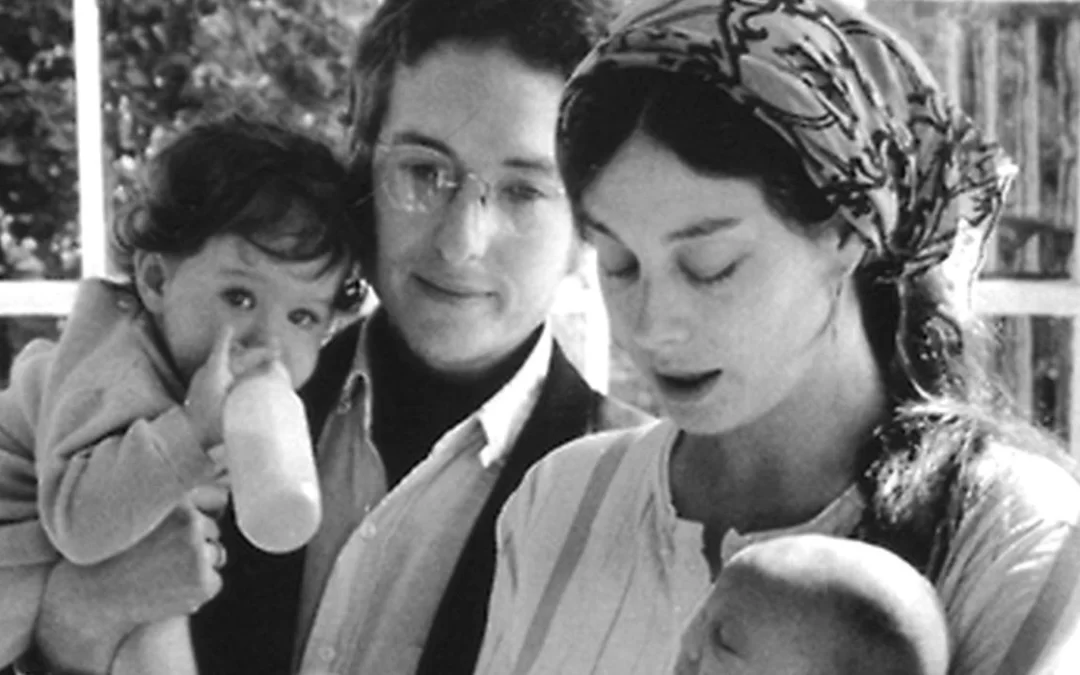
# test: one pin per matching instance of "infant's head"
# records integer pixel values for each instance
(816, 605)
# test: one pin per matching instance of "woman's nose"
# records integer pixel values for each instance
(661, 320)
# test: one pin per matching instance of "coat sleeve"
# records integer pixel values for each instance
(100, 495)
(26, 556)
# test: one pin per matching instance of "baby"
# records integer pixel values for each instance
(816, 605)
(241, 252)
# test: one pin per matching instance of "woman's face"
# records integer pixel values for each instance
(723, 306)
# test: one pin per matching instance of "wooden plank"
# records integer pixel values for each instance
(1069, 80)
(1021, 345)
(1069, 64)
(987, 103)
(952, 46)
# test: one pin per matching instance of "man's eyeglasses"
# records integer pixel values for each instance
(421, 180)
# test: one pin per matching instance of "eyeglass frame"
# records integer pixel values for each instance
(451, 188)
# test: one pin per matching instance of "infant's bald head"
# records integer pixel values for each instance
(811, 604)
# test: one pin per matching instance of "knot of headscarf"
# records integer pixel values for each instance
(897, 160)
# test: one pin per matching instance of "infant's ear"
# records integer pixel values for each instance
(151, 275)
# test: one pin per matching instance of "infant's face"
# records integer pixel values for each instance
(744, 629)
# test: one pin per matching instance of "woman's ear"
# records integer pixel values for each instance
(151, 276)
(847, 246)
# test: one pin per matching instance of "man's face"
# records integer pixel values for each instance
(476, 234)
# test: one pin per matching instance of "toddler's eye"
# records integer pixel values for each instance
(239, 298)
(305, 318)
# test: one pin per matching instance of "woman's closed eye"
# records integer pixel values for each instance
(622, 271)
(700, 278)
(613, 260)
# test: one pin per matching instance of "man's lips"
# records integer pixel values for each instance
(452, 289)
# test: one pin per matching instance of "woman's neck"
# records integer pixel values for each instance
(786, 466)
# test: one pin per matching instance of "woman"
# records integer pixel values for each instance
(773, 188)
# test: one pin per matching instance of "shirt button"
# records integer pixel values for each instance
(326, 653)
(367, 531)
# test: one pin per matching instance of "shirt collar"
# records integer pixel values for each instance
(501, 417)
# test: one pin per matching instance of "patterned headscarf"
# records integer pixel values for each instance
(898, 161)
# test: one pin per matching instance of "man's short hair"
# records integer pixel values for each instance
(550, 35)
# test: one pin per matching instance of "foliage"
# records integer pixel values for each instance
(164, 62)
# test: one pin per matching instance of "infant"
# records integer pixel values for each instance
(816, 605)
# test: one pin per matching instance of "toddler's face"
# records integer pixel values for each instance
(745, 629)
(267, 301)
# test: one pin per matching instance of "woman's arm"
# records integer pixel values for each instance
(1011, 583)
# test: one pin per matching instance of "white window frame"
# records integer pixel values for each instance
(54, 298)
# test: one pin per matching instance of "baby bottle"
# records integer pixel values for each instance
(271, 466)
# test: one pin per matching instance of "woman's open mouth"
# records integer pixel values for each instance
(687, 388)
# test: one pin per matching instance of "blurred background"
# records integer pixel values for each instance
(89, 87)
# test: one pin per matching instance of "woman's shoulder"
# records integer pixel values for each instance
(570, 468)
(1016, 483)
(587, 451)
(1012, 564)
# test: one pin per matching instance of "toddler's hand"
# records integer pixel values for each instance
(207, 390)
(228, 362)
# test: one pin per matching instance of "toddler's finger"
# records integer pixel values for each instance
(220, 354)
(210, 498)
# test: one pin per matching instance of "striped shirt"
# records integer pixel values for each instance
(597, 574)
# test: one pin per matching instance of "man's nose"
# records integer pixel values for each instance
(469, 226)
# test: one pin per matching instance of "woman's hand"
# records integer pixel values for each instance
(87, 611)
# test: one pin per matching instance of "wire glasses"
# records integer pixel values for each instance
(424, 181)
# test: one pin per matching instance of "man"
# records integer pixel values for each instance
(431, 411)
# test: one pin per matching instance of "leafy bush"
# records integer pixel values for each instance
(163, 63)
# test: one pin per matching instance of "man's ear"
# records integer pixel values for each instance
(151, 275)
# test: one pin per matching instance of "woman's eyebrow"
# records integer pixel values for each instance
(589, 223)
(702, 228)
